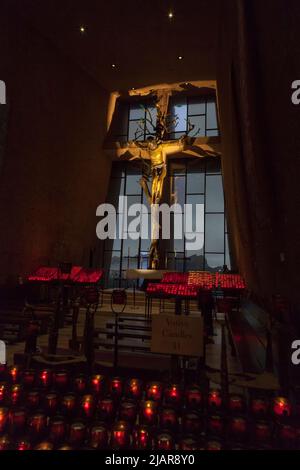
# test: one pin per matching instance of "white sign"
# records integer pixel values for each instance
(177, 334)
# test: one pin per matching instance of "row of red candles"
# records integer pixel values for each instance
(123, 434)
(132, 388)
(205, 280)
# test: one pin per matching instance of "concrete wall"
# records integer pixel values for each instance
(54, 172)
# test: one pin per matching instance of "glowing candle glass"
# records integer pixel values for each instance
(23, 444)
(120, 437)
(17, 421)
(116, 387)
(51, 403)
(282, 407)
(259, 407)
(214, 399)
(14, 373)
(33, 399)
(188, 443)
(45, 378)
(61, 379)
(216, 425)
(45, 445)
(37, 425)
(148, 413)
(214, 445)
(3, 419)
(16, 394)
(154, 391)
(141, 438)
(3, 392)
(238, 427)
(133, 388)
(97, 384)
(68, 404)
(173, 394)
(5, 443)
(87, 406)
(236, 403)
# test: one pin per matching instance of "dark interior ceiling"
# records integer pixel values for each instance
(136, 35)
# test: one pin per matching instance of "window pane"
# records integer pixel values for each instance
(214, 194)
(130, 247)
(212, 133)
(136, 112)
(194, 200)
(213, 166)
(199, 126)
(227, 252)
(214, 233)
(195, 260)
(195, 183)
(135, 130)
(132, 184)
(111, 264)
(214, 262)
(211, 115)
(151, 116)
(179, 109)
(195, 106)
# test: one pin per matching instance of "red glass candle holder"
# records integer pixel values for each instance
(60, 379)
(192, 423)
(28, 378)
(154, 391)
(216, 425)
(287, 435)
(87, 406)
(120, 436)
(77, 433)
(133, 388)
(45, 445)
(23, 444)
(173, 394)
(238, 428)
(57, 429)
(3, 419)
(14, 373)
(68, 404)
(33, 399)
(213, 445)
(215, 399)
(259, 407)
(45, 378)
(98, 436)
(149, 412)
(37, 425)
(188, 443)
(3, 392)
(262, 431)
(236, 404)
(51, 403)
(16, 392)
(168, 418)
(193, 397)
(142, 438)
(106, 409)
(128, 412)
(164, 441)
(79, 384)
(282, 407)
(17, 421)
(116, 387)
(5, 443)
(97, 384)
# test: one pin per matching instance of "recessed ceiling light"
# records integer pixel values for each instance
(82, 29)
(113, 66)
(170, 14)
(133, 88)
(180, 57)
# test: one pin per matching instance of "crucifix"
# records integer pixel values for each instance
(154, 168)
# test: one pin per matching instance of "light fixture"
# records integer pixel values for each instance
(82, 29)
(170, 14)
(113, 66)
(180, 57)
